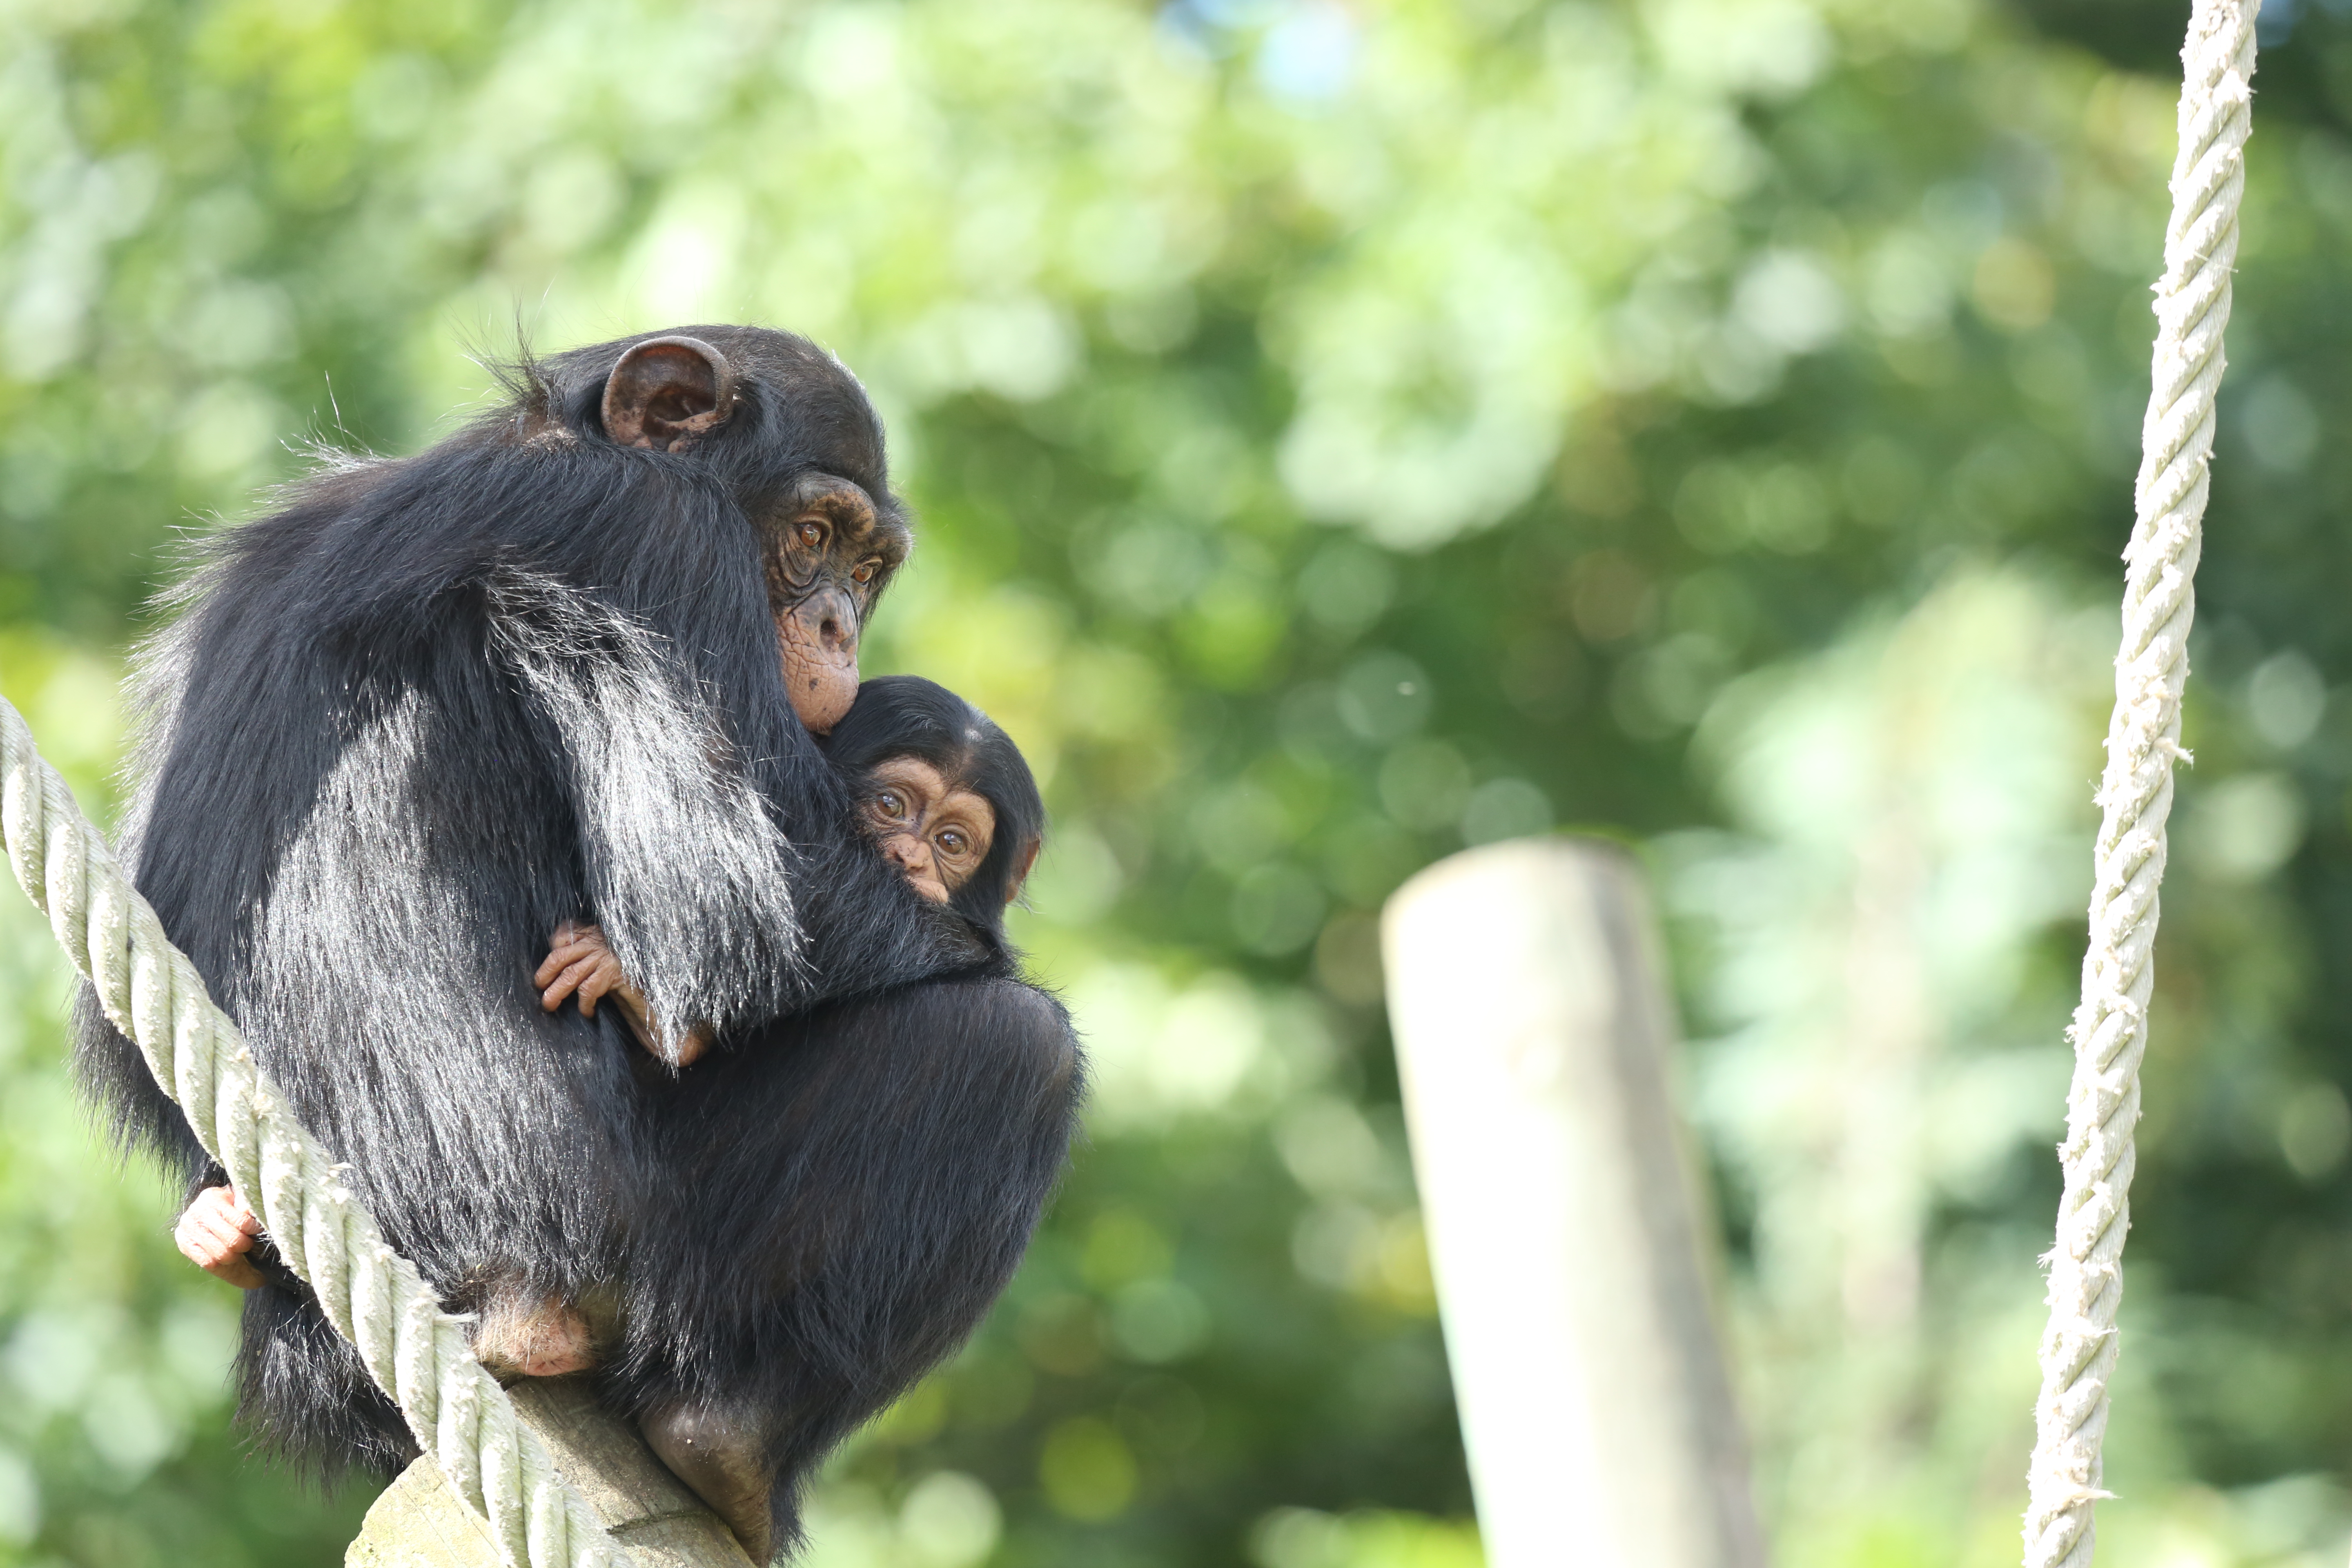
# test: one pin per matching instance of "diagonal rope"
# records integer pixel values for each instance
(2110, 1027)
(375, 1297)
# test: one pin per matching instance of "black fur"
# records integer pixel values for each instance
(431, 707)
(901, 1147)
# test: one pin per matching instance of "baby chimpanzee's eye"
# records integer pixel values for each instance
(952, 843)
(888, 804)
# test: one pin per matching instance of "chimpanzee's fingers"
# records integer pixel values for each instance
(196, 1231)
(220, 1234)
(568, 981)
(562, 957)
(206, 1249)
(239, 1272)
(601, 980)
(228, 1206)
(242, 1212)
(579, 973)
(570, 954)
(208, 1209)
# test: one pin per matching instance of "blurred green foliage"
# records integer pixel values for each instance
(1342, 432)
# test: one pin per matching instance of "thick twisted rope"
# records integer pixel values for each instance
(2110, 1027)
(418, 1353)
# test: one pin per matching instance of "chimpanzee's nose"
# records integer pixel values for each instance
(837, 623)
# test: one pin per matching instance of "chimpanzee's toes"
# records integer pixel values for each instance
(514, 1336)
(718, 1454)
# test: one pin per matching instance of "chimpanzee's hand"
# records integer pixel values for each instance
(216, 1234)
(579, 962)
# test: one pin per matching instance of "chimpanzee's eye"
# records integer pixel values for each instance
(952, 843)
(866, 570)
(888, 803)
(812, 535)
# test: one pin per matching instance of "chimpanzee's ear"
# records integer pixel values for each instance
(1021, 872)
(665, 392)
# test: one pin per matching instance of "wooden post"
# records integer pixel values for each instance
(1532, 1033)
(419, 1523)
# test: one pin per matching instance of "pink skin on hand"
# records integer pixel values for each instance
(215, 1233)
(539, 1339)
(579, 962)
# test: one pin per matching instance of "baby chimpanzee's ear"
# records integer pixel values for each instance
(665, 392)
(1027, 863)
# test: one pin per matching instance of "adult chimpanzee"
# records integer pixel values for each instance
(949, 799)
(563, 667)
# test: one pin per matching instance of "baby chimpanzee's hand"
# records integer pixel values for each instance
(216, 1234)
(578, 961)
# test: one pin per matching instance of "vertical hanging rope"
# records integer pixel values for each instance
(2110, 1027)
(419, 1355)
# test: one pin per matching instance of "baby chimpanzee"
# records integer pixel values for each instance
(801, 1314)
(944, 791)
(947, 795)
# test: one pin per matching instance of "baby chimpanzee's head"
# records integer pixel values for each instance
(945, 792)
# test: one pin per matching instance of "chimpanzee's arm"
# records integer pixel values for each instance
(732, 886)
(689, 876)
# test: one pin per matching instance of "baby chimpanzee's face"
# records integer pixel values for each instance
(934, 827)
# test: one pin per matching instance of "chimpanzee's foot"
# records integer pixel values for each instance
(519, 1336)
(719, 1456)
